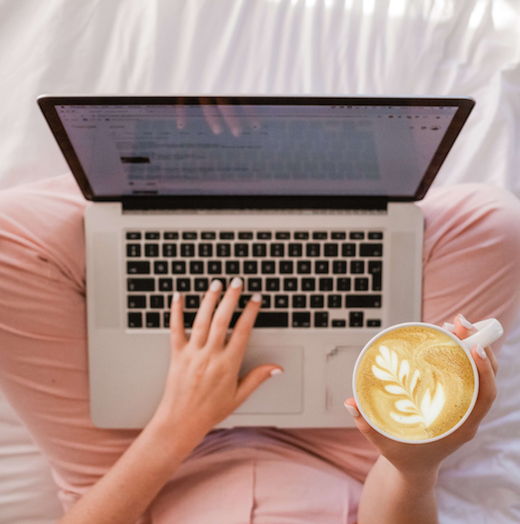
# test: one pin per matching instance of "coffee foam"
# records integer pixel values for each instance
(415, 383)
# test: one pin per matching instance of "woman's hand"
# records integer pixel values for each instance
(203, 387)
(411, 459)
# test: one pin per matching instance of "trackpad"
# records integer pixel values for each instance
(279, 394)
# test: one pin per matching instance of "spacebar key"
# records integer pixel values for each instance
(268, 319)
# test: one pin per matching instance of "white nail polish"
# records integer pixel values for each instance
(449, 327)
(352, 410)
(276, 371)
(236, 282)
(481, 352)
(465, 323)
(256, 297)
(215, 285)
(176, 296)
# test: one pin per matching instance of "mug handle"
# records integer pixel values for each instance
(489, 331)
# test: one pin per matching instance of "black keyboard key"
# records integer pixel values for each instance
(357, 267)
(160, 267)
(283, 235)
(321, 319)
(201, 284)
(299, 301)
(338, 235)
(187, 250)
(357, 235)
(266, 302)
(191, 301)
(189, 235)
(254, 284)
(171, 235)
(272, 319)
(370, 250)
(153, 320)
(319, 235)
(227, 235)
(302, 319)
(136, 301)
(152, 235)
(313, 250)
(169, 301)
(224, 284)
(156, 301)
(272, 284)
(183, 284)
(196, 267)
(277, 250)
(304, 267)
(321, 267)
(205, 250)
(308, 284)
(169, 250)
(281, 301)
(342, 284)
(361, 284)
(223, 250)
(375, 235)
(374, 323)
(295, 250)
(138, 268)
(348, 250)
(301, 235)
(317, 301)
(234, 319)
(375, 268)
(330, 250)
(232, 267)
(326, 284)
(165, 284)
(360, 301)
(188, 319)
(334, 301)
(259, 250)
(133, 250)
(339, 323)
(151, 250)
(268, 267)
(133, 235)
(290, 284)
(179, 268)
(140, 284)
(166, 316)
(263, 235)
(208, 235)
(243, 300)
(245, 235)
(135, 320)
(214, 267)
(355, 319)
(250, 267)
(241, 250)
(286, 267)
(339, 267)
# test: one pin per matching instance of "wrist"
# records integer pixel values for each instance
(416, 478)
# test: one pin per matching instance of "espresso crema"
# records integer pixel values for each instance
(415, 383)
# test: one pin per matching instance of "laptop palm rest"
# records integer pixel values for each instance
(279, 394)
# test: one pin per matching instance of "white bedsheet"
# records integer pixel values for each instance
(340, 47)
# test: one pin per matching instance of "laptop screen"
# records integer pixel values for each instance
(237, 146)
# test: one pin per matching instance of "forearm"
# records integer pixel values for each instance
(125, 492)
(389, 497)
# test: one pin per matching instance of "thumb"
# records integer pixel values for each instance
(364, 427)
(257, 376)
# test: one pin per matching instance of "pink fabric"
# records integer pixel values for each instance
(244, 475)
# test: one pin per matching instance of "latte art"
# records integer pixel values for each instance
(415, 383)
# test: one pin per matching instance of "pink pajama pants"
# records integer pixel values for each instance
(471, 264)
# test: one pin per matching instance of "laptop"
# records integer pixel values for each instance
(311, 200)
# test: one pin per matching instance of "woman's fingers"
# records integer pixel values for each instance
(243, 327)
(177, 333)
(202, 322)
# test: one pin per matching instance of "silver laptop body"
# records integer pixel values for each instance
(309, 199)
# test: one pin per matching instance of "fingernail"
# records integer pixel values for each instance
(449, 327)
(176, 296)
(215, 285)
(352, 410)
(465, 323)
(276, 371)
(256, 297)
(236, 282)
(481, 352)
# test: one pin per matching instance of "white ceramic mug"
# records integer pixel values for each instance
(488, 331)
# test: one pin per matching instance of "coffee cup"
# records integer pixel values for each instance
(417, 382)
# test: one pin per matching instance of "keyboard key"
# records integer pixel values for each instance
(348, 250)
(141, 268)
(165, 284)
(232, 267)
(234, 319)
(214, 267)
(375, 235)
(169, 301)
(179, 268)
(188, 319)
(208, 235)
(370, 250)
(304, 267)
(259, 250)
(375, 268)
(205, 250)
(266, 302)
(339, 267)
(360, 301)
(227, 235)
(321, 267)
(245, 235)
(308, 284)
(299, 301)
(357, 235)
(355, 319)
(201, 284)
(272, 319)
(334, 301)
(224, 284)
(140, 284)
(326, 284)
(295, 250)
(196, 267)
(189, 235)
(317, 301)
(160, 267)
(301, 319)
(254, 284)
(319, 235)
(243, 300)
(343, 284)
(156, 301)
(338, 235)
(241, 250)
(136, 301)
(152, 235)
(313, 250)
(286, 267)
(166, 316)
(263, 235)
(290, 284)
(191, 301)
(250, 267)
(339, 323)
(135, 320)
(301, 235)
(361, 284)
(171, 235)
(268, 267)
(223, 250)
(357, 267)
(321, 319)
(281, 301)
(153, 320)
(283, 235)
(133, 235)
(187, 250)
(151, 250)
(133, 250)
(277, 250)
(373, 323)
(330, 250)
(183, 284)
(272, 284)
(169, 250)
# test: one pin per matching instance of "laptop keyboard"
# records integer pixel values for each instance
(307, 279)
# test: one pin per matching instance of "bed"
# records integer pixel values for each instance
(319, 47)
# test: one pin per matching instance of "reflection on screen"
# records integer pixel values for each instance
(254, 149)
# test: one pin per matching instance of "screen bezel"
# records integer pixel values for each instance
(48, 105)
